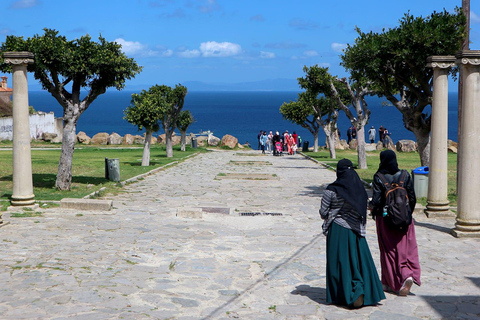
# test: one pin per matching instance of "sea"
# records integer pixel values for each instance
(240, 114)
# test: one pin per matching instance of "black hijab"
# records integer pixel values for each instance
(388, 162)
(349, 186)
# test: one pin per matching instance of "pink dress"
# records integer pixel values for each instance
(398, 255)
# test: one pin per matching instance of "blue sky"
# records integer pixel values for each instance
(220, 41)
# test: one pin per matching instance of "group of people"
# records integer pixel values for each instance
(278, 143)
(352, 278)
(385, 136)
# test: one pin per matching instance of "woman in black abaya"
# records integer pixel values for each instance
(352, 278)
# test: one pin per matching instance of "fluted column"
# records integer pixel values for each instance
(468, 172)
(22, 194)
(437, 198)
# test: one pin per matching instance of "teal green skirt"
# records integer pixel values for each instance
(351, 271)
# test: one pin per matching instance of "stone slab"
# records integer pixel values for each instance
(190, 213)
(86, 204)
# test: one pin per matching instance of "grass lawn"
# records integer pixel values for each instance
(406, 160)
(88, 168)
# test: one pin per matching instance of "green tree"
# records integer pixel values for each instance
(185, 119)
(350, 98)
(170, 102)
(144, 113)
(394, 64)
(62, 65)
(302, 113)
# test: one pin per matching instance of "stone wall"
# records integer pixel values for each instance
(40, 124)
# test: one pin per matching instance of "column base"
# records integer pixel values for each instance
(22, 201)
(438, 209)
(464, 234)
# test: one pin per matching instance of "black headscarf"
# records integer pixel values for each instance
(388, 162)
(349, 186)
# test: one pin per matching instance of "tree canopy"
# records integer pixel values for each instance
(65, 67)
(393, 62)
(170, 102)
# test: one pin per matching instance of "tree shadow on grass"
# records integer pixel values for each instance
(47, 180)
(139, 163)
(6, 178)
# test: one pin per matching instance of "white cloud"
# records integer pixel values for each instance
(167, 53)
(189, 53)
(474, 18)
(22, 4)
(136, 48)
(209, 6)
(310, 53)
(338, 47)
(219, 49)
(267, 55)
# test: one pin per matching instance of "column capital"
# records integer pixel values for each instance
(471, 57)
(442, 62)
(18, 57)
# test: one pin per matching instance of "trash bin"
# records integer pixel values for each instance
(305, 146)
(112, 169)
(194, 142)
(420, 181)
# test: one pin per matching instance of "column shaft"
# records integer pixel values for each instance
(437, 198)
(22, 194)
(468, 180)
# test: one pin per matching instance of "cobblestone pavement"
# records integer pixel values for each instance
(141, 261)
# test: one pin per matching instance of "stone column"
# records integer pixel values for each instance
(437, 198)
(468, 173)
(22, 194)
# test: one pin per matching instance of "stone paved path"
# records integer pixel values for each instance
(141, 261)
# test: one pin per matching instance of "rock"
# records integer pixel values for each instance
(343, 144)
(370, 147)
(137, 139)
(451, 143)
(379, 146)
(240, 146)
(83, 138)
(452, 149)
(100, 138)
(115, 138)
(48, 136)
(202, 141)
(213, 141)
(406, 146)
(229, 141)
(128, 139)
(176, 140)
(353, 144)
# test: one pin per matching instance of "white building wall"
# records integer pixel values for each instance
(40, 123)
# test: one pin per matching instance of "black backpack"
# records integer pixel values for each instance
(398, 214)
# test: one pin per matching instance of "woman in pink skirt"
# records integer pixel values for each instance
(398, 248)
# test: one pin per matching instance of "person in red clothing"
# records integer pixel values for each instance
(295, 137)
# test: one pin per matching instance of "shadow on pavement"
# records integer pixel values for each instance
(313, 191)
(433, 227)
(276, 269)
(316, 294)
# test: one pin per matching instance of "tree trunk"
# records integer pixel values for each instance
(168, 143)
(423, 144)
(331, 138)
(315, 141)
(146, 149)
(183, 140)
(64, 174)
(361, 153)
